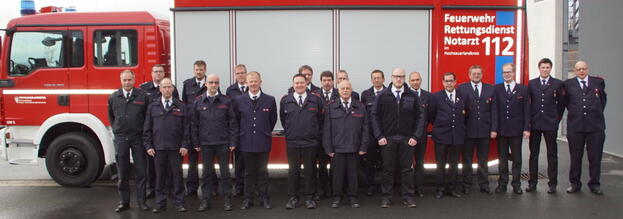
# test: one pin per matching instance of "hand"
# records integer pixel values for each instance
(331, 154)
(231, 148)
(383, 142)
(526, 134)
(197, 149)
(362, 153)
(494, 135)
(151, 152)
(183, 151)
(412, 142)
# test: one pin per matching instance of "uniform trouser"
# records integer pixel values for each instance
(594, 142)
(307, 157)
(239, 169)
(255, 174)
(481, 145)
(123, 146)
(192, 179)
(447, 154)
(369, 163)
(420, 151)
(324, 178)
(208, 176)
(344, 167)
(514, 144)
(169, 162)
(552, 156)
(397, 153)
(151, 176)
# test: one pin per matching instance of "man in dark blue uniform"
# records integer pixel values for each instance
(514, 122)
(342, 75)
(214, 134)
(309, 74)
(415, 81)
(256, 114)
(152, 90)
(482, 123)
(546, 109)
(165, 135)
(345, 139)
(126, 114)
(371, 161)
(398, 122)
(234, 90)
(301, 114)
(586, 100)
(447, 111)
(193, 88)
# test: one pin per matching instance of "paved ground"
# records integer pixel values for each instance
(32, 197)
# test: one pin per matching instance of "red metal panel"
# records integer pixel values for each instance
(247, 3)
(84, 18)
(481, 2)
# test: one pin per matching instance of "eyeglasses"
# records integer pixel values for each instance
(212, 82)
(507, 72)
(398, 76)
(581, 69)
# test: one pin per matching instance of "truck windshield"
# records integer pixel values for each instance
(34, 50)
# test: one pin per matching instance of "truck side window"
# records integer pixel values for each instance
(115, 48)
(77, 49)
(34, 50)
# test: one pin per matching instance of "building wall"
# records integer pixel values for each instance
(545, 34)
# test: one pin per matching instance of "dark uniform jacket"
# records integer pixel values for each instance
(233, 90)
(192, 91)
(166, 129)
(153, 93)
(585, 108)
(546, 104)
(255, 123)
(513, 110)
(345, 132)
(302, 125)
(404, 120)
(482, 113)
(448, 118)
(367, 98)
(213, 123)
(127, 116)
(424, 100)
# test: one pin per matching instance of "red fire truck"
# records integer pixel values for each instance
(57, 69)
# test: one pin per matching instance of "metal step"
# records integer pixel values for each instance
(24, 162)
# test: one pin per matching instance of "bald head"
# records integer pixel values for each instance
(581, 69)
(415, 80)
(212, 83)
(398, 77)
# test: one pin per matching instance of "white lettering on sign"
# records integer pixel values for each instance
(30, 99)
(486, 18)
(464, 34)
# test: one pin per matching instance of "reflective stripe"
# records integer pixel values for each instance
(60, 91)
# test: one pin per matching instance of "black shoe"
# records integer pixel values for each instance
(455, 194)
(246, 204)
(500, 189)
(143, 207)
(158, 209)
(292, 203)
(180, 208)
(310, 204)
(573, 189)
(335, 203)
(597, 191)
(191, 192)
(385, 203)
(531, 188)
(205, 205)
(122, 207)
(354, 203)
(517, 190)
(149, 195)
(409, 202)
(419, 193)
(551, 190)
(439, 194)
(266, 203)
(485, 190)
(467, 190)
(227, 206)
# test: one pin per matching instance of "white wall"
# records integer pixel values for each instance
(545, 34)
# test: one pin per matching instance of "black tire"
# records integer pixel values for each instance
(74, 160)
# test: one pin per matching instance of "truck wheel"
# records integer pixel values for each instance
(74, 160)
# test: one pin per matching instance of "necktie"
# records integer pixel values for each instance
(417, 92)
(346, 106)
(254, 101)
(326, 96)
(127, 96)
(476, 93)
(198, 83)
(508, 89)
(397, 96)
(300, 101)
(451, 100)
(584, 87)
(543, 82)
(377, 93)
(167, 105)
(242, 89)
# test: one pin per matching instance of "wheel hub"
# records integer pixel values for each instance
(71, 161)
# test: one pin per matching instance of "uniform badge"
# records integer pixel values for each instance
(488, 100)
(596, 92)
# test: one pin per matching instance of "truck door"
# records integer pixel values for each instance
(37, 65)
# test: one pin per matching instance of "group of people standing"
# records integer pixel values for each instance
(384, 128)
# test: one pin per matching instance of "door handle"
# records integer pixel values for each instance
(63, 100)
